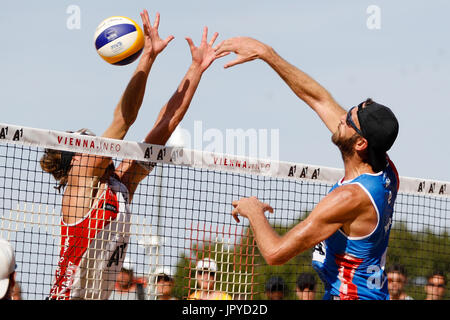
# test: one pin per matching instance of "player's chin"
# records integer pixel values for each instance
(335, 138)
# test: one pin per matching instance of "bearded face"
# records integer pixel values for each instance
(345, 145)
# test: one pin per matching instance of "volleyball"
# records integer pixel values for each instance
(119, 40)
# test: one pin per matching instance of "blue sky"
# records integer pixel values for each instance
(51, 76)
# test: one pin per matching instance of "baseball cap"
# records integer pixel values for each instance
(380, 128)
(7, 265)
(207, 264)
(163, 270)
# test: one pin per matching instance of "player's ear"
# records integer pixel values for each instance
(361, 144)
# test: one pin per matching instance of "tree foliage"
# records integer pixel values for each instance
(420, 252)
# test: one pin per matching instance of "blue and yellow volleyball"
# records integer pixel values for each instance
(119, 40)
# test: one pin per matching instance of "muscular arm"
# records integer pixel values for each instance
(87, 170)
(337, 209)
(130, 102)
(305, 87)
(174, 110)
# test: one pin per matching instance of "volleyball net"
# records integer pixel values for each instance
(180, 233)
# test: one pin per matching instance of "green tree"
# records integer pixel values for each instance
(420, 252)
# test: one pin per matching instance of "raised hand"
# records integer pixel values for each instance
(249, 206)
(204, 54)
(246, 49)
(153, 43)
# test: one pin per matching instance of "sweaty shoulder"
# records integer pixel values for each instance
(361, 218)
(348, 198)
(353, 208)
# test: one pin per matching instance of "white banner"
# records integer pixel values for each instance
(122, 149)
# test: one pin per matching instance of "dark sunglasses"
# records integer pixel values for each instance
(350, 122)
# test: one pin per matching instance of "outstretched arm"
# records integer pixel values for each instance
(305, 87)
(128, 107)
(86, 169)
(334, 211)
(174, 110)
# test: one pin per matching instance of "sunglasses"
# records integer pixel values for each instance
(350, 122)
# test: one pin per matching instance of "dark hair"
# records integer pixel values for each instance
(130, 272)
(58, 164)
(306, 280)
(275, 284)
(164, 277)
(397, 268)
(439, 273)
(368, 101)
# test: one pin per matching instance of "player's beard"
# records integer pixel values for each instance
(346, 146)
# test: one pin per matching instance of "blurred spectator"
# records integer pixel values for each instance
(164, 284)
(7, 270)
(397, 279)
(275, 288)
(306, 286)
(206, 281)
(435, 287)
(128, 287)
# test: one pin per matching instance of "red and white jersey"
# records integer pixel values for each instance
(93, 249)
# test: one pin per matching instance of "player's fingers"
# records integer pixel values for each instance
(233, 63)
(267, 207)
(190, 42)
(144, 20)
(234, 213)
(146, 17)
(205, 34)
(224, 46)
(156, 23)
(168, 39)
(222, 55)
(213, 39)
(219, 46)
(235, 203)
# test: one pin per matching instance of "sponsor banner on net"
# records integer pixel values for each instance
(195, 158)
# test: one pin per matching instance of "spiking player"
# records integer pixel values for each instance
(95, 212)
(349, 228)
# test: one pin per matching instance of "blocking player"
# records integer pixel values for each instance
(349, 228)
(95, 205)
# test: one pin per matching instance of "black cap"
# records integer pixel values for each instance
(380, 128)
(274, 284)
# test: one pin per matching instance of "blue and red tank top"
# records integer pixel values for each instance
(352, 268)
